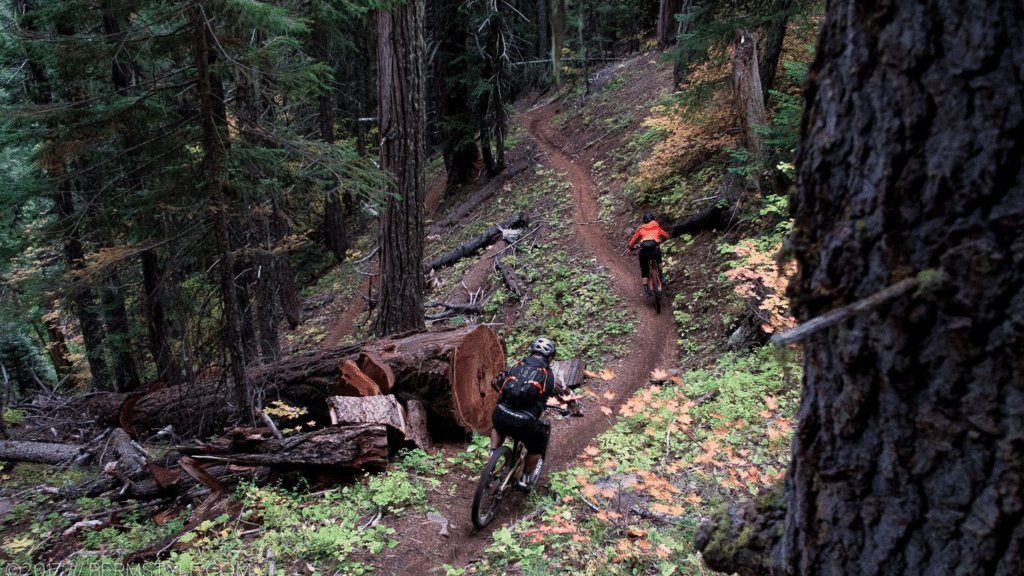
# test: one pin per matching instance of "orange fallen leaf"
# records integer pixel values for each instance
(659, 374)
(592, 450)
(607, 411)
(609, 395)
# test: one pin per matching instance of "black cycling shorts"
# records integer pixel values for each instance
(532, 432)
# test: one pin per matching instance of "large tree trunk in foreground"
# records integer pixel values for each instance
(909, 452)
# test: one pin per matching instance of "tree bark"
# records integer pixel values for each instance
(84, 299)
(39, 452)
(400, 62)
(59, 353)
(909, 450)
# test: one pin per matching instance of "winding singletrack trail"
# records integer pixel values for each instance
(652, 346)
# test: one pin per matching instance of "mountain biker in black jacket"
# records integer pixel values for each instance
(524, 423)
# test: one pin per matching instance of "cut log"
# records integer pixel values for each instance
(353, 382)
(370, 410)
(482, 240)
(416, 424)
(361, 446)
(378, 371)
(449, 371)
(409, 424)
(569, 372)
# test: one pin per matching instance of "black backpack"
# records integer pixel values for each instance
(523, 386)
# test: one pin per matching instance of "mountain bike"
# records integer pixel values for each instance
(499, 477)
(654, 284)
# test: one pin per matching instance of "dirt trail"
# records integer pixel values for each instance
(652, 347)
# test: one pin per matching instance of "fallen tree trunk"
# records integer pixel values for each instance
(360, 446)
(509, 276)
(490, 236)
(39, 452)
(485, 193)
(448, 370)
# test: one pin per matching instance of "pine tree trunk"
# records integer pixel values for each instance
(119, 341)
(213, 149)
(84, 299)
(668, 27)
(558, 19)
(749, 97)
(153, 309)
(400, 93)
(910, 446)
(59, 353)
(775, 35)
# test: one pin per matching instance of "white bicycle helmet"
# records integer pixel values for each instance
(543, 346)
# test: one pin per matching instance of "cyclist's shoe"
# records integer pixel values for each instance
(524, 482)
(647, 291)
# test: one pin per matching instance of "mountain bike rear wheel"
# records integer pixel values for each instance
(489, 489)
(656, 288)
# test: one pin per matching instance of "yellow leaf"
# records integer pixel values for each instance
(607, 374)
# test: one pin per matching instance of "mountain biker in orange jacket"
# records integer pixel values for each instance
(648, 237)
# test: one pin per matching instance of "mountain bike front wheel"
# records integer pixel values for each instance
(490, 488)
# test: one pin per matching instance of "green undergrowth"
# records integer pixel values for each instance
(635, 498)
(337, 531)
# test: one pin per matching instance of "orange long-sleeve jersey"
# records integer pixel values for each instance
(649, 231)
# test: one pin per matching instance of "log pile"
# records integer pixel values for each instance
(376, 398)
